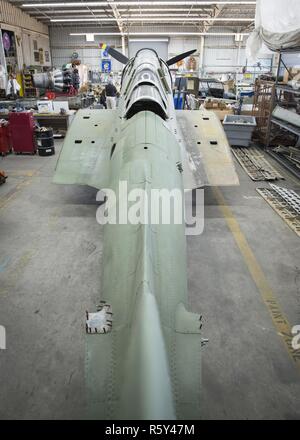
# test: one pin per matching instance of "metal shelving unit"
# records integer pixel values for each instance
(287, 89)
(29, 90)
(287, 126)
(262, 106)
(285, 97)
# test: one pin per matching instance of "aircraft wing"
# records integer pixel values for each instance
(85, 156)
(207, 148)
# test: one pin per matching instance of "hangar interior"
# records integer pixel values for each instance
(218, 95)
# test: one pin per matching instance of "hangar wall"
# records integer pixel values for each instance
(28, 32)
(220, 53)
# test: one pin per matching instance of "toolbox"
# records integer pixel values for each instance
(22, 125)
(5, 141)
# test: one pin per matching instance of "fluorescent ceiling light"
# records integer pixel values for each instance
(122, 16)
(158, 15)
(146, 40)
(79, 34)
(133, 3)
(72, 20)
(145, 34)
(187, 18)
(89, 17)
(183, 9)
(84, 17)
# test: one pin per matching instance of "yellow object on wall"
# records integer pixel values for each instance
(19, 78)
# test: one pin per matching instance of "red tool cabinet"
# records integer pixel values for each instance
(21, 126)
(5, 141)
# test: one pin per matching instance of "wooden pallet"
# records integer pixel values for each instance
(281, 206)
(254, 163)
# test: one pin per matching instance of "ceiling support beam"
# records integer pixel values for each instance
(216, 12)
(120, 23)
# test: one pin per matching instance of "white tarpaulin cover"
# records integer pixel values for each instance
(277, 26)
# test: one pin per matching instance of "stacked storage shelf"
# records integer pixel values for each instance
(29, 90)
(283, 129)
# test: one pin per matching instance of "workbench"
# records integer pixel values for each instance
(57, 121)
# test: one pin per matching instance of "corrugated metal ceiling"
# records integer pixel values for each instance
(126, 17)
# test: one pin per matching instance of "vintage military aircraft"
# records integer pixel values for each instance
(143, 361)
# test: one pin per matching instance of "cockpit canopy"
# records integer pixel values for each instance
(146, 84)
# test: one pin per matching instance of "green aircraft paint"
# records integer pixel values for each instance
(149, 365)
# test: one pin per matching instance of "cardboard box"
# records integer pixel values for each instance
(211, 104)
(229, 85)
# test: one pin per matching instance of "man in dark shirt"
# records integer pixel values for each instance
(111, 94)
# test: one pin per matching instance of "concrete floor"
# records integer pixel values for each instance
(50, 268)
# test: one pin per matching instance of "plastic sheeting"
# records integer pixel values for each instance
(276, 27)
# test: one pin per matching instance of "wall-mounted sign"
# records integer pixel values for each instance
(90, 37)
(10, 50)
(6, 41)
(41, 55)
(106, 66)
(104, 53)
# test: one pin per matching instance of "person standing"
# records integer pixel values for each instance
(111, 94)
(103, 99)
(13, 87)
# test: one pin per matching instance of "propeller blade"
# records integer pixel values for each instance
(115, 53)
(180, 57)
